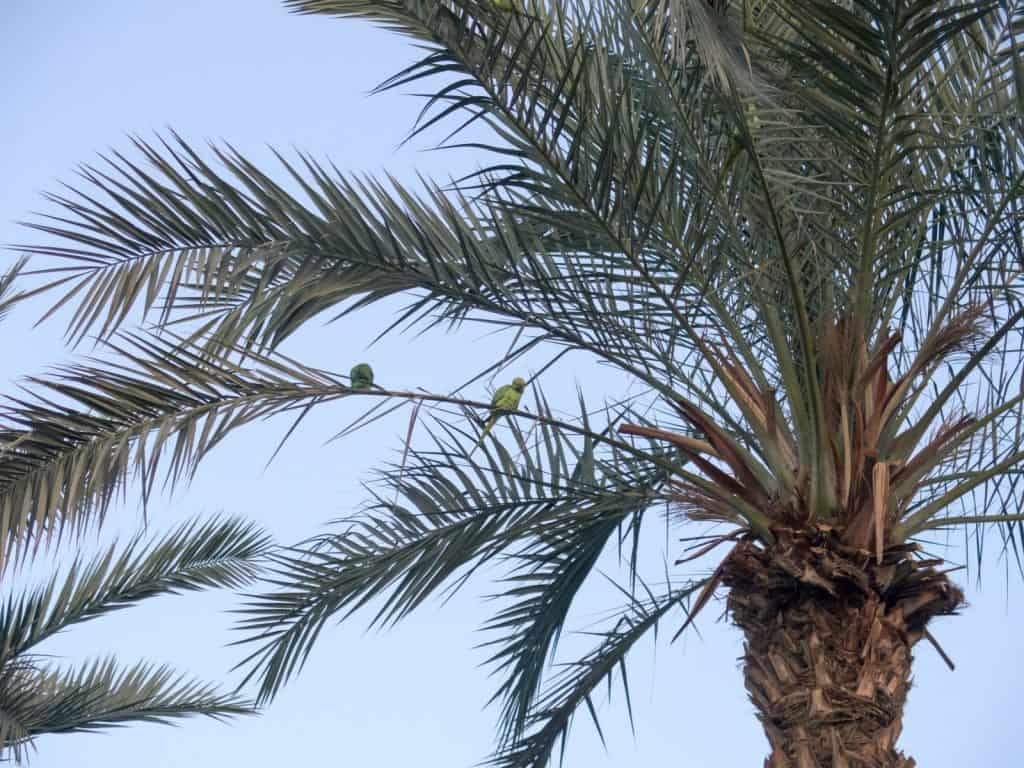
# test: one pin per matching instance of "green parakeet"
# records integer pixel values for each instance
(506, 398)
(361, 376)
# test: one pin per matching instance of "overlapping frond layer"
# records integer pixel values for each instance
(72, 444)
(435, 521)
(40, 697)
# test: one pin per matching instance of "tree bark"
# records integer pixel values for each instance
(829, 633)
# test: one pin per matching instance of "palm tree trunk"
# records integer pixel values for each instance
(829, 634)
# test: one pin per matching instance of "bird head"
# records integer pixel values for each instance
(518, 384)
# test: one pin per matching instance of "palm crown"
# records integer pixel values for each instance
(796, 222)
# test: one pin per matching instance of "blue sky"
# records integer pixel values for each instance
(79, 77)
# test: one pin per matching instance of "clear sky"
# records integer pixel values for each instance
(78, 78)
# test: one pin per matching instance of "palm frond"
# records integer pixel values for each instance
(7, 280)
(38, 699)
(222, 552)
(549, 721)
(548, 573)
(452, 516)
(66, 454)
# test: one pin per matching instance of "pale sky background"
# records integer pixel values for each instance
(78, 77)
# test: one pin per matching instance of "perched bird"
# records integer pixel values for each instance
(506, 398)
(361, 376)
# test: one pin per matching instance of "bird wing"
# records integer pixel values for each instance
(509, 400)
(506, 398)
(501, 396)
(361, 375)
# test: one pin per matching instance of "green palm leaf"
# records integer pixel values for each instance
(219, 553)
(38, 697)
(44, 699)
(575, 686)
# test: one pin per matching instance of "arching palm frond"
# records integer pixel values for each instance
(79, 436)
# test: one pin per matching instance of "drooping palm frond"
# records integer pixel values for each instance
(239, 241)
(37, 697)
(575, 686)
(451, 517)
(543, 585)
(69, 452)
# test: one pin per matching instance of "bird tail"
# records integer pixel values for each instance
(488, 426)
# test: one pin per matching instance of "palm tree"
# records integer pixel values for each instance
(794, 222)
(39, 696)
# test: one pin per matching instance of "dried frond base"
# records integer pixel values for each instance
(829, 634)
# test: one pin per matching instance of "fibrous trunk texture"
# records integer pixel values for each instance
(829, 633)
